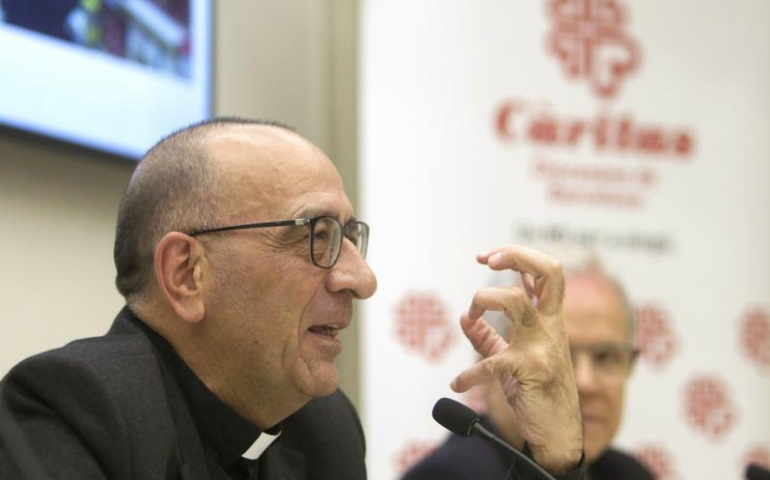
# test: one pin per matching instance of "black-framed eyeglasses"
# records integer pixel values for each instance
(608, 359)
(326, 235)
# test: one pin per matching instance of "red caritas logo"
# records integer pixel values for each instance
(423, 326)
(539, 124)
(589, 40)
(412, 453)
(654, 335)
(658, 461)
(708, 407)
(755, 336)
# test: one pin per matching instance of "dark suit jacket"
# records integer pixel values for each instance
(107, 407)
(461, 458)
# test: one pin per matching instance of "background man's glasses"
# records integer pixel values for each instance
(326, 235)
(607, 359)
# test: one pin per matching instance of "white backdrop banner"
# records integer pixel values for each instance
(640, 129)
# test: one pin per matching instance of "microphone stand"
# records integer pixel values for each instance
(482, 432)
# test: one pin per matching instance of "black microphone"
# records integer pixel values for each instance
(459, 419)
(755, 472)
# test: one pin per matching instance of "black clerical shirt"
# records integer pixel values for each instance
(225, 434)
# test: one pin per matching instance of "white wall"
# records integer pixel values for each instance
(57, 211)
(685, 231)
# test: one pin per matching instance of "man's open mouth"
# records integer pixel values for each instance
(325, 330)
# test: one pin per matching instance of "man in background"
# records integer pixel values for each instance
(239, 258)
(600, 326)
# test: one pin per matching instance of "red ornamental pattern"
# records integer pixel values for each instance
(755, 336)
(589, 40)
(412, 452)
(654, 335)
(658, 461)
(423, 326)
(708, 407)
(759, 455)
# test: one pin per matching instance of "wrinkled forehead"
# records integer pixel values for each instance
(270, 172)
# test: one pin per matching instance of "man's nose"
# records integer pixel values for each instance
(352, 273)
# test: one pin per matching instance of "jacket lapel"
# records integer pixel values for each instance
(191, 455)
(186, 460)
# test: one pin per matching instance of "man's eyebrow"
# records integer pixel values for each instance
(312, 212)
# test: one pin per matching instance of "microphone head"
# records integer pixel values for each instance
(755, 472)
(454, 416)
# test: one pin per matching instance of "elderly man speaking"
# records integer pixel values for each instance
(239, 257)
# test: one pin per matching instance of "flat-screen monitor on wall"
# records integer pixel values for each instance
(115, 75)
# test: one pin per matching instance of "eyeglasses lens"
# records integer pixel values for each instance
(326, 242)
(358, 233)
(607, 359)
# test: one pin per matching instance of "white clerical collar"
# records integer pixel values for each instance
(257, 448)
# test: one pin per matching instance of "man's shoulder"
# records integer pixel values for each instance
(110, 368)
(94, 405)
(97, 354)
(126, 339)
(617, 464)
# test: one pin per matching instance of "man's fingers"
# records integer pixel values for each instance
(501, 368)
(529, 286)
(545, 271)
(484, 338)
(479, 373)
(511, 300)
(496, 299)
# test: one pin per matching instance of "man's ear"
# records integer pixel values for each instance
(178, 264)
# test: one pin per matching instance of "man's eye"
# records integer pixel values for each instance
(353, 238)
(607, 357)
